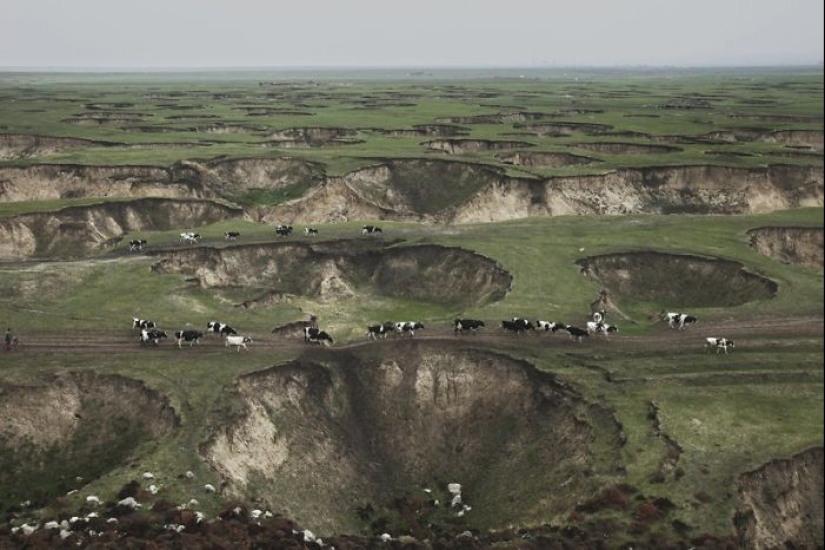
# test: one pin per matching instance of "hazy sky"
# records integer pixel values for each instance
(420, 33)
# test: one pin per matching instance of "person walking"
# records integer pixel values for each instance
(9, 339)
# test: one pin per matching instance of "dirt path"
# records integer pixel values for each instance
(752, 334)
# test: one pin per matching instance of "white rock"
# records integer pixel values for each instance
(129, 502)
(92, 499)
(148, 475)
(454, 488)
(209, 488)
(385, 537)
(189, 474)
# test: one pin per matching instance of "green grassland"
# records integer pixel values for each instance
(729, 414)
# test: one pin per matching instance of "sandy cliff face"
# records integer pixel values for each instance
(792, 245)
(342, 431)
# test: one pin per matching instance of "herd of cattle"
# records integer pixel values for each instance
(150, 334)
(189, 237)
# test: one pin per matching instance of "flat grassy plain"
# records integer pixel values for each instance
(729, 414)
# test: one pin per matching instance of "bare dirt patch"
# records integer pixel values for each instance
(620, 148)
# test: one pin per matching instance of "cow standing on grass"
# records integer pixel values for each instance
(718, 343)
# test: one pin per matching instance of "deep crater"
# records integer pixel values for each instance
(790, 245)
(679, 280)
(70, 426)
(341, 268)
(336, 431)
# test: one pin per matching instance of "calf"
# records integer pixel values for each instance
(237, 340)
(191, 336)
(577, 333)
(314, 335)
(136, 245)
(718, 343)
(467, 325)
(679, 319)
(231, 235)
(370, 230)
(152, 335)
(310, 231)
(283, 230)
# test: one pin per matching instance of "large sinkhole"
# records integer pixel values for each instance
(678, 280)
(70, 426)
(336, 431)
(336, 269)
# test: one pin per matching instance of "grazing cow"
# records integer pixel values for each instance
(314, 335)
(190, 238)
(284, 230)
(718, 343)
(136, 245)
(142, 323)
(370, 230)
(191, 336)
(237, 340)
(577, 333)
(679, 319)
(310, 231)
(467, 325)
(231, 235)
(549, 326)
(517, 325)
(151, 335)
(408, 327)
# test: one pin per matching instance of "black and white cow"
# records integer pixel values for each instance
(190, 238)
(238, 340)
(718, 343)
(313, 335)
(191, 336)
(408, 327)
(283, 230)
(142, 324)
(310, 231)
(151, 336)
(216, 327)
(136, 245)
(467, 325)
(595, 328)
(380, 331)
(231, 235)
(577, 333)
(517, 325)
(679, 320)
(370, 230)
(550, 326)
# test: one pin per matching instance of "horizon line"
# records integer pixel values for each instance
(210, 68)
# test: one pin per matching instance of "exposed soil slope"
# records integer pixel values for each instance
(331, 432)
(782, 504)
(90, 422)
(681, 280)
(80, 231)
(790, 245)
(335, 269)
